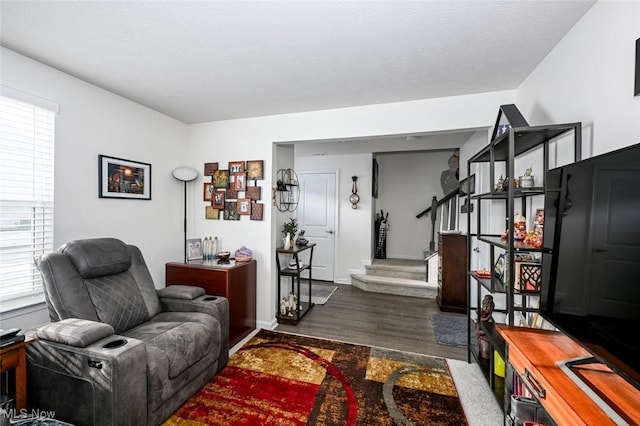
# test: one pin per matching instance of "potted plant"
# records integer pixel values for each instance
(290, 228)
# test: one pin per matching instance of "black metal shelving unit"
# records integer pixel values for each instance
(503, 150)
(303, 306)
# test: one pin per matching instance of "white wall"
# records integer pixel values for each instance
(589, 77)
(93, 121)
(353, 239)
(407, 183)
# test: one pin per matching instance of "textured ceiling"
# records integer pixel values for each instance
(201, 61)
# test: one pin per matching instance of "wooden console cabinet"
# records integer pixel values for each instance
(14, 357)
(452, 273)
(532, 355)
(236, 281)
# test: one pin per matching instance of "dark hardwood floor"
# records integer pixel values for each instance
(396, 322)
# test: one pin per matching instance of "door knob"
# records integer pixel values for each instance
(329, 231)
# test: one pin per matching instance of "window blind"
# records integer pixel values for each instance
(27, 135)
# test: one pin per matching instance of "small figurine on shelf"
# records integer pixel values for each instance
(293, 302)
(519, 227)
(301, 240)
(488, 305)
(485, 315)
(284, 306)
(526, 180)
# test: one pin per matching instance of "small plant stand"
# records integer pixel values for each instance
(294, 314)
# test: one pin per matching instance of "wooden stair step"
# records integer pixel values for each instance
(391, 285)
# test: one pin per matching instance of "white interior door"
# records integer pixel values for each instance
(317, 217)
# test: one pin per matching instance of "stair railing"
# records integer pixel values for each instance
(437, 209)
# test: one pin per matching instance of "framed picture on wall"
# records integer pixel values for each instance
(243, 206)
(207, 191)
(211, 212)
(255, 169)
(374, 176)
(210, 168)
(636, 92)
(120, 178)
(221, 178)
(217, 201)
(239, 181)
(253, 192)
(236, 166)
(257, 210)
(232, 194)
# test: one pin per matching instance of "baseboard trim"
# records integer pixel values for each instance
(267, 325)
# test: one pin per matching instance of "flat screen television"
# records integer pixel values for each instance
(591, 261)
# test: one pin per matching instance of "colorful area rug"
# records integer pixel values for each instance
(285, 379)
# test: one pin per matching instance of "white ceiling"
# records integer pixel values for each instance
(201, 61)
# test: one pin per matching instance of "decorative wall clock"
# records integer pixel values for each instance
(354, 198)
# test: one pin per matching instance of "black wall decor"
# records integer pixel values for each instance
(637, 88)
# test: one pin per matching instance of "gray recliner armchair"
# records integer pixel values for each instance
(118, 351)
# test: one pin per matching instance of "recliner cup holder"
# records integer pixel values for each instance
(114, 344)
(209, 298)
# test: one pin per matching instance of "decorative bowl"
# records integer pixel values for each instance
(223, 255)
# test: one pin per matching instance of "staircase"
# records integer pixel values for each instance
(400, 276)
(406, 277)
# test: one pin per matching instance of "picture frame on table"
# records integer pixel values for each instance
(121, 178)
(194, 249)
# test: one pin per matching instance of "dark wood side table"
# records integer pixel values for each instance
(234, 280)
(303, 306)
(14, 357)
(452, 273)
